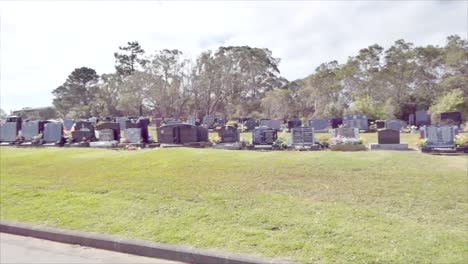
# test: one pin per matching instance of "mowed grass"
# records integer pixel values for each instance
(309, 207)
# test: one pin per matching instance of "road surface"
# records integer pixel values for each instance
(19, 249)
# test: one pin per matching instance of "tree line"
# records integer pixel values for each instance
(241, 81)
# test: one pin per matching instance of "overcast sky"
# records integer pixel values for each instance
(41, 43)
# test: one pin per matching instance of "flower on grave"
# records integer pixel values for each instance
(460, 140)
(421, 142)
(340, 140)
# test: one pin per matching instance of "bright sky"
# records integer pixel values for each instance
(42, 42)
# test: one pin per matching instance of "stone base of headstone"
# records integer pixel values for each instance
(322, 131)
(153, 145)
(54, 144)
(267, 147)
(7, 143)
(231, 146)
(78, 145)
(136, 145)
(104, 144)
(344, 147)
(27, 144)
(165, 145)
(439, 150)
(198, 144)
(303, 148)
(401, 146)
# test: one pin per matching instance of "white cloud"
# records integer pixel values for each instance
(41, 43)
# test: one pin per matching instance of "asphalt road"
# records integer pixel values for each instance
(19, 249)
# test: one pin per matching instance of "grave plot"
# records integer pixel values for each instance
(177, 135)
(380, 124)
(229, 138)
(53, 135)
(274, 124)
(107, 134)
(8, 133)
(322, 125)
(439, 138)
(394, 124)
(359, 121)
(209, 121)
(346, 139)
(82, 134)
(303, 138)
(32, 132)
(249, 124)
(264, 137)
(451, 118)
(388, 139)
(422, 118)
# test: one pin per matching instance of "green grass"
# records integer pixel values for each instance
(310, 207)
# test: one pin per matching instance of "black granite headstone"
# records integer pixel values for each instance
(264, 136)
(388, 136)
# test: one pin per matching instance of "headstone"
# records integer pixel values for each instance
(440, 137)
(250, 124)
(380, 124)
(346, 132)
(264, 136)
(422, 118)
(209, 121)
(182, 134)
(322, 125)
(68, 123)
(122, 122)
(105, 129)
(192, 121)
(30, 129)
(141, 123)
(275, 124)
(394, 124)
(8, 132)
(53, 132)
(295, 122)
(83, 131)
(17, 120)
(93, 120)
(388, 136)
(356, 121)
(411, 120)
(229, 134)
(451, 118)
(336, 122)
(133, 135)
(303, 136)
(388, 139)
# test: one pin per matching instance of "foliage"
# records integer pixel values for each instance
(461, 140)
(75, 96)
(243, 81)
(450, 102)
(421, 142)
(3, 113)
(129, 58)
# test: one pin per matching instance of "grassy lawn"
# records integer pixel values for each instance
(325, 207)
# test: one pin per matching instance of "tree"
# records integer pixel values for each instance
(450, 102)
(276, 103)
(74, 97)
(129, 58)
(107, 96)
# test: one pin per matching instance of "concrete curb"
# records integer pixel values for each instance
(129, 246)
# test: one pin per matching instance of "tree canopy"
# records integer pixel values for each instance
(243, 81)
